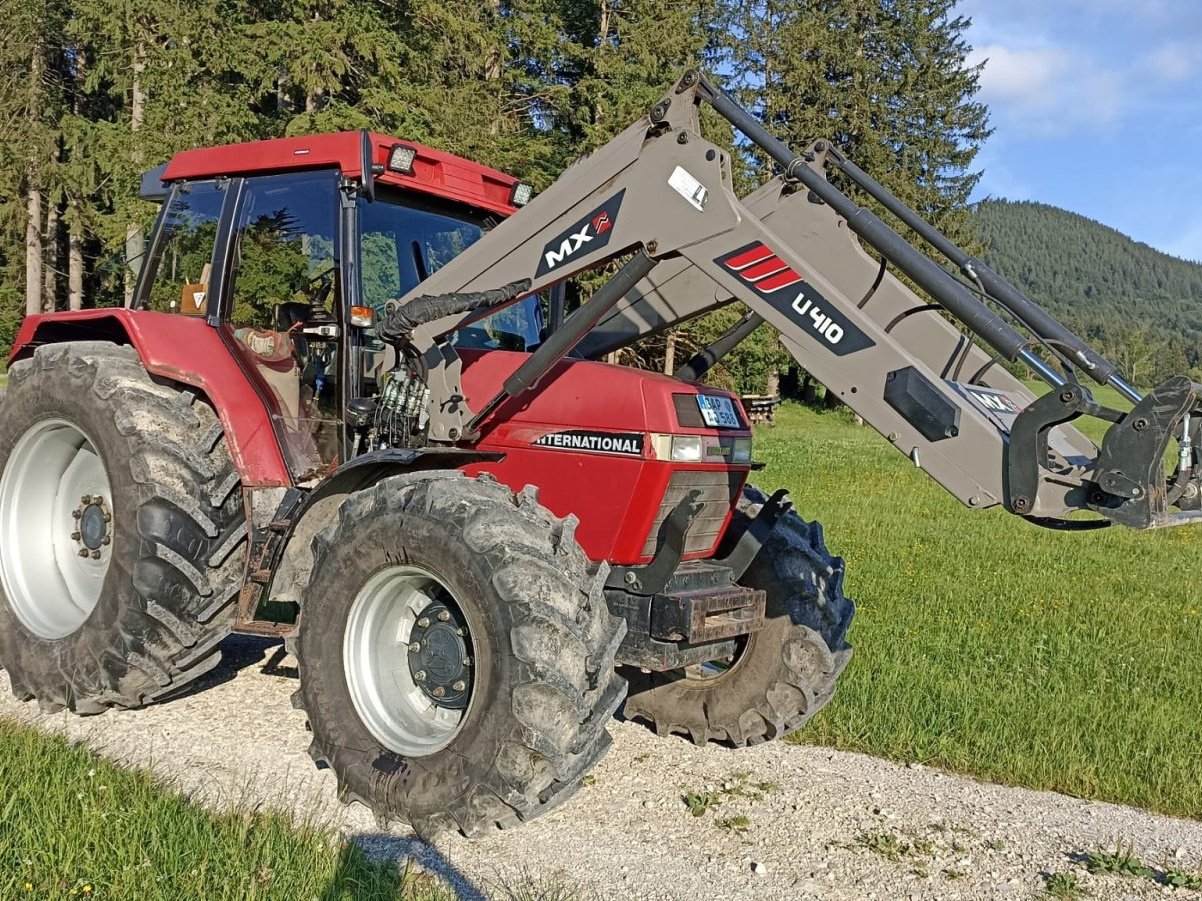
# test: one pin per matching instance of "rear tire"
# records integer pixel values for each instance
(783, 674)
(534, 623)
(161, 542)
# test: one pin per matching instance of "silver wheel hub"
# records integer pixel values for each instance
(407, 656)
(92, 533)
(55, 528)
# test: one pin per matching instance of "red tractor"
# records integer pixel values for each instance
(346, 406)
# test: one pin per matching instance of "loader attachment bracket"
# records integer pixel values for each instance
(669, 549)
(1027, 451)
(748, 543)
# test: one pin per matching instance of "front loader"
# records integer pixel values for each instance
(346, 408)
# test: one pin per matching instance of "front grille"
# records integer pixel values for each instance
(718, 491)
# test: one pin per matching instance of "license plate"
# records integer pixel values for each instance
(718, 412)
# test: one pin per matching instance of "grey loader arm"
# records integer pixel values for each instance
(820, 269)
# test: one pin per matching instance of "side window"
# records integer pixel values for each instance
(177, 276)
(284, 298)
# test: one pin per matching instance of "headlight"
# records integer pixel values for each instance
(687, 448)
(741, 451)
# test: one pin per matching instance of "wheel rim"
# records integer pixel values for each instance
(408, 658)
(56, 519)
(709, 672)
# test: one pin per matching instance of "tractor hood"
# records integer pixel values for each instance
(596, 439)
(581, 394)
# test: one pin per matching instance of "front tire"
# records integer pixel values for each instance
(122, 535)
(782, 674)
(416, 572)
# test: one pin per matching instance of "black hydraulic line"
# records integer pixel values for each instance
(925, 272)
(574, 328)
(399, 320)
(995, 286)
(704, 360)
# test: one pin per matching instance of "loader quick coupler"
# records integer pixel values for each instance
(1130, 468)
(1127, 485)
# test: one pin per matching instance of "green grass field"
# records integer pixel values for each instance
(983, 644)
(986, 645)
(76, 826)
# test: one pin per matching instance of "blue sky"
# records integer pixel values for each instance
(1097, 108)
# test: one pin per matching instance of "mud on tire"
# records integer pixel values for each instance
(543, 646)
(783, 674)
(177, 533)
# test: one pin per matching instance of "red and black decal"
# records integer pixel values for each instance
(591, 233)
(762, 270)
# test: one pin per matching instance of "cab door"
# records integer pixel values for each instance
(282, 310)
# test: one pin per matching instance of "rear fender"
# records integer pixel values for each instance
(184, 350)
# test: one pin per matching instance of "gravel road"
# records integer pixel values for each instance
(792, 822)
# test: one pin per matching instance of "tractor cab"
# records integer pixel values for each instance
(276, 246)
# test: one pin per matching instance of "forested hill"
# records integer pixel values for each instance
(1141, 306)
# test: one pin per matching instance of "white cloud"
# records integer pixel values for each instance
(1049, 89)
(1174, 61)
(1021, 76)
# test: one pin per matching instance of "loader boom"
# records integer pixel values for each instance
(795, 253)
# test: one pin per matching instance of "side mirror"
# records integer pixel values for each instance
(366, 163)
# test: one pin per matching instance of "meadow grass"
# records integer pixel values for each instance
(986, 645)
(76, 826)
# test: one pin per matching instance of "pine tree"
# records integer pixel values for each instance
(885, 80)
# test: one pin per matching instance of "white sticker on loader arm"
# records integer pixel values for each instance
(683, 183)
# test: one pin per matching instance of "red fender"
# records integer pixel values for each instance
(184, 350)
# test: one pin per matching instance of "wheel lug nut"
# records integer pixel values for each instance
(443, 616)
(461, 632)
(95, 555)
(108, 517)
(459, 686)
(83, 552)
(76, 514)
(106, 540)
(467, 661)
(75, 536)
(419, 676)
(439, 692)
(424, 622)
(86, 499)
(414, 647)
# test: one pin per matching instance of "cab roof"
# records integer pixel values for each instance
(433, 172)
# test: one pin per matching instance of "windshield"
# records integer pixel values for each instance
(404, 241)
